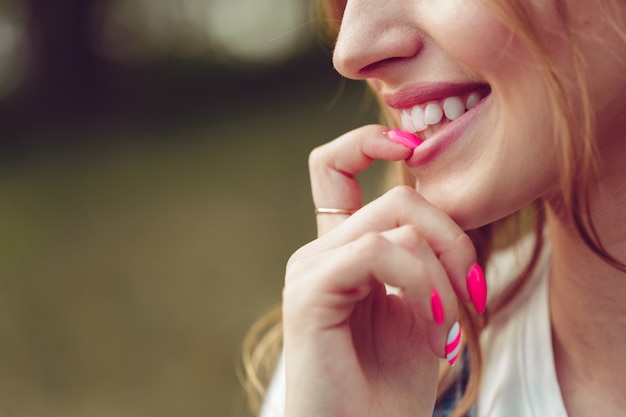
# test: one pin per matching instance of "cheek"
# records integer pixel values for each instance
(472, 35)
(512, 162)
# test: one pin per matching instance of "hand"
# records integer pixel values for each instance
(351, 348)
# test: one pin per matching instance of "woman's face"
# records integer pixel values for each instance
(452, 72)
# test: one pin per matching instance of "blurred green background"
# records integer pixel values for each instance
(153, 183)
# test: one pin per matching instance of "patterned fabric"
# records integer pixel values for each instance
(451, 398)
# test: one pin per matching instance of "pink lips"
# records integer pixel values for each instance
(421, 93)
(447, 135)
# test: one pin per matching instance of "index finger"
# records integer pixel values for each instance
(333, 167)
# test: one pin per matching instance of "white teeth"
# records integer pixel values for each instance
(433, 113)
(426, 120)
(453, 107)
(417, 116)
(472, 100)
(407, 123)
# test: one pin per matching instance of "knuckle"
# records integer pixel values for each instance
(410, 235)
(465, 243)
(370, 245)
(299, 291)
(402, 193)
(297, 257)
(297, 265)
(299, 262)
(318, 157)
(293, 262)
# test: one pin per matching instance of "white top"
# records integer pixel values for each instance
(274, 404)
(519, 377)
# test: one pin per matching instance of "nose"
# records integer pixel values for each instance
(375, 36)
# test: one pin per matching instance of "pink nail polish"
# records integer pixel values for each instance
(453, 344)
(437, 307)
(477, 288)
(404, 138)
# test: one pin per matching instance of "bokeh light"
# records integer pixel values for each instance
(258, 32)
(261, 31)
(13, 60)
(135, 31)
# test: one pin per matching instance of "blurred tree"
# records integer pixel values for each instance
(94, 63)
(63, 75)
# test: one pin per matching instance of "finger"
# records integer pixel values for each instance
(342, 276)
(329, 285)
(404, 206)
(333, 167)
(441, 301)
(409, 238)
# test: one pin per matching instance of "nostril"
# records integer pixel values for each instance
(376, 67)
(371, 62)
(377, 56)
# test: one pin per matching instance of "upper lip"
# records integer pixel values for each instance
(421, 93)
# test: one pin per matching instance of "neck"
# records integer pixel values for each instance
(587, 305)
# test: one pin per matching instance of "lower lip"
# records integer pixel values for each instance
(445, 137)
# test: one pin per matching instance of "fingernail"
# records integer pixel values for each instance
(404, 138)
(477, 288)
(453, 344)
(437, 307)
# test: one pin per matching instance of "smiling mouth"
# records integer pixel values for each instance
(424, 120)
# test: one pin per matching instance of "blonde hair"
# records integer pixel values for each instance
(573, 132)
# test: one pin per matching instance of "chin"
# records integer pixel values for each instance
(470, 213)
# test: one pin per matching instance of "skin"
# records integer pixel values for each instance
(353, 350)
